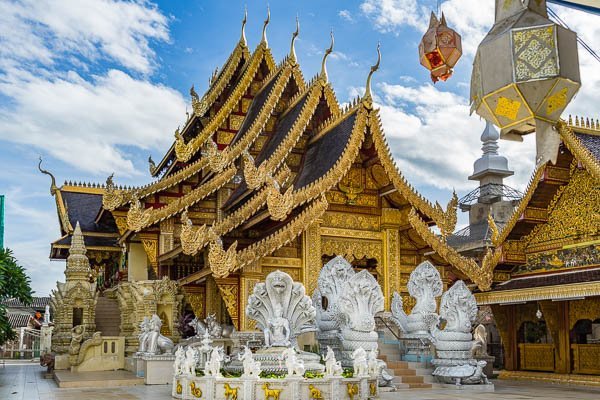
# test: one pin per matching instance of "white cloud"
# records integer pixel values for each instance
(435, 141)
(39, 31)
(83, 122)
(346, 15)
(389, 15)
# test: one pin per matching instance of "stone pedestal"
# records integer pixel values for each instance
(157, 370)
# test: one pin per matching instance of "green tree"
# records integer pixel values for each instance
(14, 283)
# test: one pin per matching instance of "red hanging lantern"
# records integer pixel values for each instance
(440, 49)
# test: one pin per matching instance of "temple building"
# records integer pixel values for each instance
(546, 295)
(268, 172)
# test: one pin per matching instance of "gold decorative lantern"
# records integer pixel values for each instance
(525, 72)
(440, 49)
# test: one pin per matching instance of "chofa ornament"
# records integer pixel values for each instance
(281, 310)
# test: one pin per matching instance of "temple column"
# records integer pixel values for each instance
(150, 243)
(390, 223)
(556, 316)
(230, 293)
(311, 256)
(505, 317)
(251, 275)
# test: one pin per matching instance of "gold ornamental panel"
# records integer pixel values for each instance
(352, 249)
(352, 221)
(586, 358)
(536, 357)
(588, 308)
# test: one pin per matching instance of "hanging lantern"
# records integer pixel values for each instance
(439, 49)
(525, 72)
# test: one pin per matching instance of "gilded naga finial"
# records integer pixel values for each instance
(243, 35)
(327, 53)
(294, 36)
(373, 69)
(264, 31)
(53, 187)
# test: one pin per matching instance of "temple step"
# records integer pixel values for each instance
(108, 317)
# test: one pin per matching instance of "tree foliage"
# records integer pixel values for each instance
(14, 283)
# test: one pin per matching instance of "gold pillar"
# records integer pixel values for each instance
(390, 223)
(230, 293)
(251, 275)
(505, 322)
(150, 243)
(556, 318)
(311, 256)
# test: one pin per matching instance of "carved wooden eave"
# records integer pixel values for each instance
(582, 153)
(185, 151)
(445, 220)
(277, 81)
(238, 57)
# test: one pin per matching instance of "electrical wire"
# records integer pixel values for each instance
(583, 44)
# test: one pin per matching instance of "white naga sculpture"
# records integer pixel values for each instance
(424, 284)
(213, 365)
(453, 344)
(479, 347)
(251, 367)
(295, 366)
(330, 284)
(332, 366)
(151, 341)
(360, 300)
(360, 362)
(281, 310)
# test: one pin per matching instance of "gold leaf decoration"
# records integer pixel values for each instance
(137, 216)
(222, 262)
(279, 205)
(112, 197)
(254, 176)
(192, 238)
(493, 228)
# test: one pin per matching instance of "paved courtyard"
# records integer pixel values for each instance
(26, 382)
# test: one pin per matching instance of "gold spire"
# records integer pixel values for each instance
(324, 62)
(243, 36)
(373, 69)
(294, 36)
(53, 187)
(78, 264)
(264, 32)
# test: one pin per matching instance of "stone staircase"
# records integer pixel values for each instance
(108, 316)
(407, 375)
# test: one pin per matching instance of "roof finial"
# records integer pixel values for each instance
(327, 53)
(243, 37)
(264, 32)
(294, 36)
(53, 187)
(373, 69)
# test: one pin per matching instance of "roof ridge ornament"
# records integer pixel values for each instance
(243, 35)
(53, 187)
(323, 74)
(264, 31)
(293, 58)
(374, 68)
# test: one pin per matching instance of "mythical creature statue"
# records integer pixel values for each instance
(454, 362)
(424, 284)
(212, 325)
(47, 360)
(155, 343)
(77, 334)
(295, 366)
(372, 363)
(360, 363)
(479, 347)
(189, 364)
(332, 366)
(330, 284)
(281, 310)
(251, 367)
(198, 326)
(360, 300)
(144, 331)
(179, 360)
(213, 365)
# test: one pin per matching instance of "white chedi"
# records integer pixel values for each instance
(424, 285)
(295, 366)
(360, 362)
(281, 310)
(332, 366)
(251, 367)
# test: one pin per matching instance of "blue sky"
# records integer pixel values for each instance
(96, 86)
